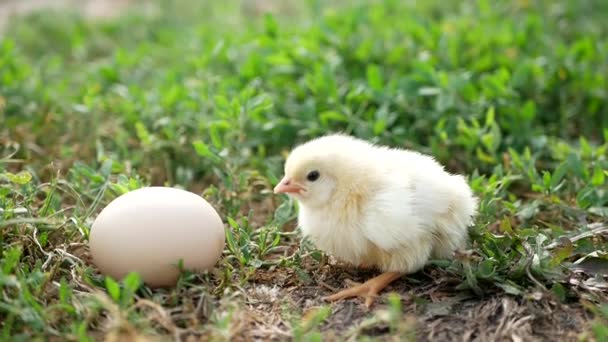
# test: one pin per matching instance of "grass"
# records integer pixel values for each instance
(210, 97)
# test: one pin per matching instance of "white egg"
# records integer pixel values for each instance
(150, 230)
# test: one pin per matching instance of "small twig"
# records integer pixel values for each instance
(47, 261)
(74, 259)
(15, 211)
(596, 229)
(79, 283)
(4, 224)
(200, 305)
(47, 254)
(163, 318)
(9, 158)
(530, 255)
(327, 286)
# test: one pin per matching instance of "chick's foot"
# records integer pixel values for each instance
(369, 289)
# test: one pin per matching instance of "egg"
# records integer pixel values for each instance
(149, 230)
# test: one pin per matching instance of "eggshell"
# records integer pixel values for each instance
(150, 229)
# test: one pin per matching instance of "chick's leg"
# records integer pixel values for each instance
(369, 289)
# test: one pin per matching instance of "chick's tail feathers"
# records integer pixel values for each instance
(451, 231)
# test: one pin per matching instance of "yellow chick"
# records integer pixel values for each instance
(377, 206)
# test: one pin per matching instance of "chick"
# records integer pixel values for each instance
(371, 205)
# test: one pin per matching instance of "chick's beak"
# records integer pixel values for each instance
(287, 186)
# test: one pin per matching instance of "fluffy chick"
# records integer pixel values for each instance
(372, 205)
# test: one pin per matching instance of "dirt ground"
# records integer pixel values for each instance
(430, 308)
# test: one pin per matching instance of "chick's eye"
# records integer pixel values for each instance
(313, 176)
